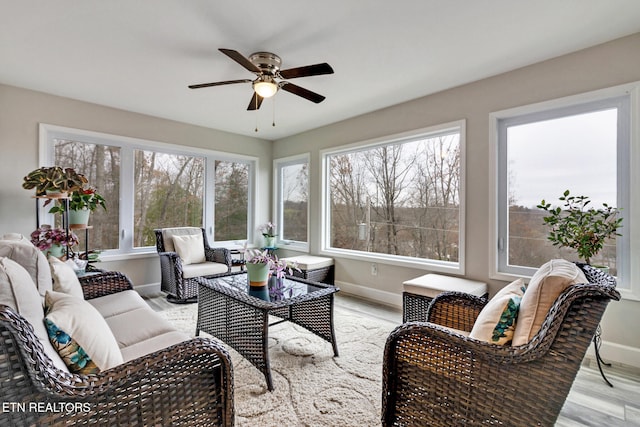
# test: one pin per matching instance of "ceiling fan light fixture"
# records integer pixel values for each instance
(265, 87)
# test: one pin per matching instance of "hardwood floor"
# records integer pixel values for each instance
(591, 401)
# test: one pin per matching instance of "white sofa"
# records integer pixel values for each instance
(107, 350)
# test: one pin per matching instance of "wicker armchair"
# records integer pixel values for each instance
(435, 376)
(186, 384)
(177, 281)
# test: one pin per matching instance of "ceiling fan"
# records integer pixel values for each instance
(270, 78)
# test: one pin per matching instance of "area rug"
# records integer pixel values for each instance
(312, 388)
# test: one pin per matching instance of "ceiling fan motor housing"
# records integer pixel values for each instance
(268, 62)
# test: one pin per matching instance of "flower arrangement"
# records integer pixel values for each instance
(45, 237)
(82, 198)
(277, 267)
(268, 229)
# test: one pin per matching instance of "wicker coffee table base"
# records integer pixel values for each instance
(242, 322)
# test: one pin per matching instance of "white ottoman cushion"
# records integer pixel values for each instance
(431, 285)
(309, 262)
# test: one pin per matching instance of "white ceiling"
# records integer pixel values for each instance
(141, 55)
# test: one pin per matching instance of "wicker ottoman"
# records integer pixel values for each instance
(418, 293)
(315, 268)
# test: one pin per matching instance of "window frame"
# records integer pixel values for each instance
(127, 145)
(627, 247)
(278, 166)
(397, 260)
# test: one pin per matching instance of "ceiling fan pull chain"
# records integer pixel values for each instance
(273, 123)
(256, 110)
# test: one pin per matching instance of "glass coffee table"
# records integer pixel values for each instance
(228, 312)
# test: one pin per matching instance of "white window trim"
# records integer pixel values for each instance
(410, 262)
(631, 271)
(278, 165)
(48, 132)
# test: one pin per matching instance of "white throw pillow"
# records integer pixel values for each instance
(65, 279)
(545, 287)
(79, 320)
(190, 248)
(496, 322)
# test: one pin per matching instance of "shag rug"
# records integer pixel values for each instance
(311, 386)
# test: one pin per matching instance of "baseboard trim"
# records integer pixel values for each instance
(617, 353)
(376, 295)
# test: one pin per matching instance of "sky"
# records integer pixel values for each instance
(576, 153)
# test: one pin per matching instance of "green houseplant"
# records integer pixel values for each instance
(82, 202)
(53, 179)
(581, 227)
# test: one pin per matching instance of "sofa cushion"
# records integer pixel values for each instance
(18, 291)
(120, 302)
(204, 269)
(81, 321)
(135, 326)
(168, 233)
(21, 250)
(65, 279)
(496, 322)
(545, 286)
(190, 248)
(153, 344)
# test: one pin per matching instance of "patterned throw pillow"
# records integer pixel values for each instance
(74, 356)
(79, 333)
(496, 322)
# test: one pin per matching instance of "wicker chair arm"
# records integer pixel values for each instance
(221, 255)
(455, 310)
(110, 282)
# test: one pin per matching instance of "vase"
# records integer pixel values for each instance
(79, 217)
(269, 242)
(55, 250)
(258, 277)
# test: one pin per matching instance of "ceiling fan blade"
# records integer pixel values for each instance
(228, 82)
(256, 102)
(240, 59)
(305, 93)
(309, 70)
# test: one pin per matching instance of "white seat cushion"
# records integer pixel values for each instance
(431, 285)
(135, 326)
(118, 303)
(153, 344)
(203, 269)
(309, 262)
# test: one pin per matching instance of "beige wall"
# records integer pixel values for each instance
(603, 66)
(21, 111)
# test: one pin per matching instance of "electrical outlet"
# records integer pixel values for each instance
(374, 269)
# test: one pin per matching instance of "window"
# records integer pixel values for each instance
(151, 185)
(399, 199)
(292, 200)
(575, 144)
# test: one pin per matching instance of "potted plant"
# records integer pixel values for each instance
(578, 226)
(53, 179)
(261, 266)
(52, 241)
(268, 231)
(83, 201)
